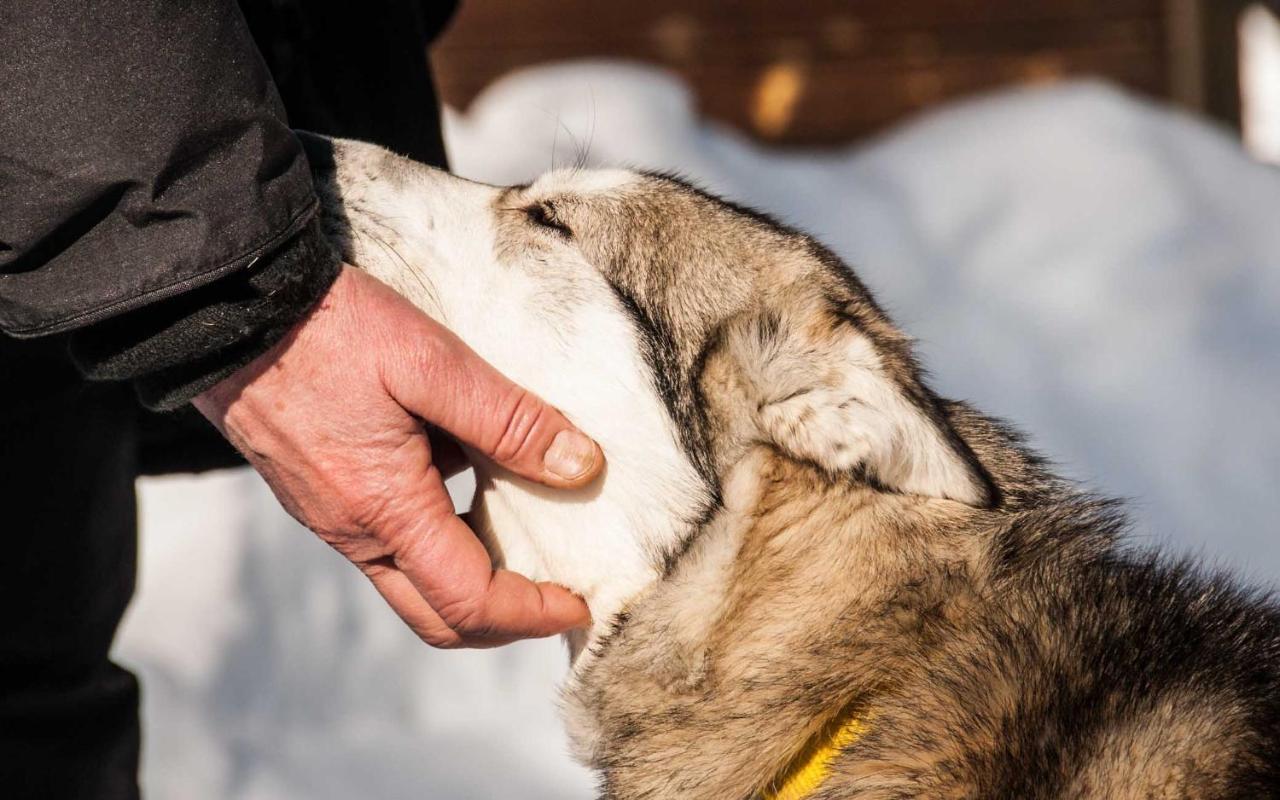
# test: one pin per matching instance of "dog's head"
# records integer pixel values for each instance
(677, 329)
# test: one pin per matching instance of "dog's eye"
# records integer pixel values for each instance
(544, 215)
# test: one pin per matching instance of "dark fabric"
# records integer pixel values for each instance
(181, 441)
(334, 72)
(69, 449)
(143, 152)
(360, 75)
(68, 716)
(356, 70)
(176, 349)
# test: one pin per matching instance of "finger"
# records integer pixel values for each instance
(449, 567)
(445, 383)
(399, 593)
(453, 573)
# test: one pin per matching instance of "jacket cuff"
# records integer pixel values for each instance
(174, 349)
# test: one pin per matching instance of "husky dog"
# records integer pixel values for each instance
(810, 576)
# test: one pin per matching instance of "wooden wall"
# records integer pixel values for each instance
(822, 71)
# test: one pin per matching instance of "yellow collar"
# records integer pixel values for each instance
(811, 766)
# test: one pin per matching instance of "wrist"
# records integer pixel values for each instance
(214, 400)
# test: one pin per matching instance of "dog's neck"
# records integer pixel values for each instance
(742, 635)
(609, 542)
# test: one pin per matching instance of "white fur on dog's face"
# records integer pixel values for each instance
(489, 263)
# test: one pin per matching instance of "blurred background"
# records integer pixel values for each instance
(1072, 203)
(828, 72)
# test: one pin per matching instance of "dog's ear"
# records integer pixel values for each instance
(824, 392)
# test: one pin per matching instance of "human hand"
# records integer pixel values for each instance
(333, 418)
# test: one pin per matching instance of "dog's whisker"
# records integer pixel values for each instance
(430, 292)
(584, 155)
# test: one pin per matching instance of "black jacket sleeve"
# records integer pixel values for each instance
(144, 157)
(174, 349)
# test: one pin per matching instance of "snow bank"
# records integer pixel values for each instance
(1102, 271)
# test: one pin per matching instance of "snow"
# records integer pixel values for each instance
(1102, 271)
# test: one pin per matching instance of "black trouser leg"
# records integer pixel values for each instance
(68, 716)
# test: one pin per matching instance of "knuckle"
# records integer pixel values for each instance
(394, 509)
(413, 540)
(410, 545)
(443, 354)
(433, 354)
(371, 515)
(465, 616)
(375, 566)
(524, 414)
(442, 637)
(427, 360)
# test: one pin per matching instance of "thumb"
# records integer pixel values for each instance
(447, 384)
